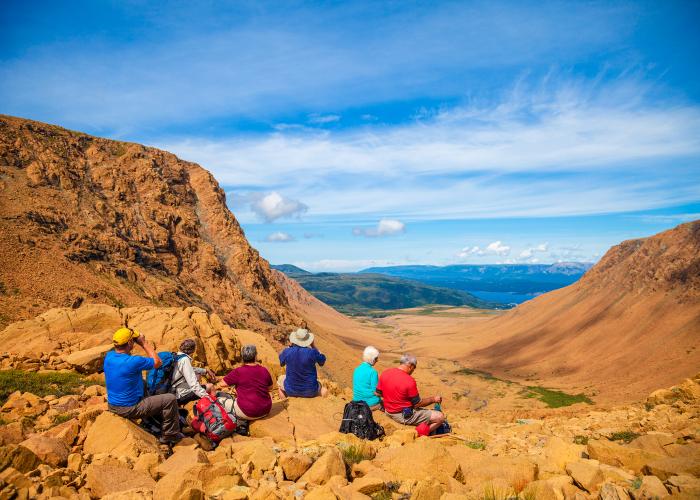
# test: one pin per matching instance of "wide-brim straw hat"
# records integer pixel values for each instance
(301, 337)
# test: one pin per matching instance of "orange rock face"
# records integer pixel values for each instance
(85, 219)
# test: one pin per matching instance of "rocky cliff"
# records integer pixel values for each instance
(85, 219)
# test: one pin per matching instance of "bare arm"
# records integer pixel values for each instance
(150, 350)
(428, 401)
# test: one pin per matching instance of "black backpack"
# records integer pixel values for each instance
(358, 420)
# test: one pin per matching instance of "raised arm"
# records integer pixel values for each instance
(150, 350)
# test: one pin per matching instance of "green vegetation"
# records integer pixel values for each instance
(355, 454)
(61, 418)
(371, 294)
(40, 384)
(580, 439)
(626, 436)
(477, 444)
(478, 373)
(636, 483)
(554, 399)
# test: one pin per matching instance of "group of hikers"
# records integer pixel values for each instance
(394, 392)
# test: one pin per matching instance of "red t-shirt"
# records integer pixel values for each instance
(252, 383)
(398, 388)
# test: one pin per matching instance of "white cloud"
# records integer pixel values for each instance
(493, 248)
(529, 252)
(273, 206)
(279, 237)
(385, 227)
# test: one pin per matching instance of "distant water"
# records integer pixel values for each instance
(504, 297)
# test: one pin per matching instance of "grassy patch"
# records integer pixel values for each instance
(636, 483)
(626, 436)
(355, 454)
(555, 399)
(478, 373)
(40, 384)
(62, 418)
(477, 444)
(580, 439)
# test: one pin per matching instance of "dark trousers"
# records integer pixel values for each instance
(163, 405)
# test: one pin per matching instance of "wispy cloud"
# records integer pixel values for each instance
(493, 248)
(528, 253)
(385, 227)
(559, 147)
(318, 119)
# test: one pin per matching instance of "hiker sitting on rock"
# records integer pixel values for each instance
(300, 358)
(185, 378)
(253, 384)
(365, 378)
(402, 402)
(125, 384)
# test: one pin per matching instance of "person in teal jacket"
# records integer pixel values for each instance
(365, 378)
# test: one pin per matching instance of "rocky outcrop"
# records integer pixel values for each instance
(89, 220)
(100, 455)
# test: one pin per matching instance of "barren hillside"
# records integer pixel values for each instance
(630, 324)
(85, 219)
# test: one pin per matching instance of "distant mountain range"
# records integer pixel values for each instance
(354, 293)
(504, 283)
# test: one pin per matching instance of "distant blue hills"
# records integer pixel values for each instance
(503, 283)
(394, 287)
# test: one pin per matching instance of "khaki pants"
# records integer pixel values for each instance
(163, 406)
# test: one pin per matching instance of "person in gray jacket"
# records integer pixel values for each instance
(185, 379)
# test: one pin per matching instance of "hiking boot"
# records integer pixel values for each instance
(171, 440)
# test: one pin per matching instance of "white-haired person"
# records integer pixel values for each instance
(365, 378)
(402, 402)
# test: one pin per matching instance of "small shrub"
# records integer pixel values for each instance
(626, 436)
(40, 384)
(579, 439)
(382, 495)
(636, 483)
(476, 444)
(62, 418)
(355, 454)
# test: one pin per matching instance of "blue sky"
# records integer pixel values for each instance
(350, 134)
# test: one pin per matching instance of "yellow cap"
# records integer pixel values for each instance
(124, 335)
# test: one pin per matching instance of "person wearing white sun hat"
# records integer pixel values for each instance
(300, 358)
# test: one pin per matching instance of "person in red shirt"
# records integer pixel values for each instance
(253, 384)
(402, 403)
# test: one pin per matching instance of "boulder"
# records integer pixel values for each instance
(558, 452)
(655, 442)
(181, 459)
(294, 464)
(329, 464)
(585, 473)
(11, 433)
(118, 436)
(666, 467)
(368, 485)
(50, 450)
(212, 479)
(102, 480)
(18, 457)
(423, 459)
(88, 360)
(651, 487)
(476, 467)
(685, 484)
(428, 489)
(258, 452)
(611, 491)
(547, 489)
(619, 455)
(276, 425)
(24, 404)
(66, 432)
(312, 417)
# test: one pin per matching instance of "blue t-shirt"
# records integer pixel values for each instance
(123, 377)
(364, 383)
(301, 379)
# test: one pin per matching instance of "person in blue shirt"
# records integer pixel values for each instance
(300, 358)
(365, 378)
(125, 384)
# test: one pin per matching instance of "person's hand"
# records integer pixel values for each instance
(211, 375)
(140, 340)
(438, 399)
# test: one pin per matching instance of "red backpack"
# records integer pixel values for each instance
(211, 419)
